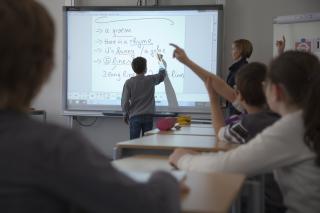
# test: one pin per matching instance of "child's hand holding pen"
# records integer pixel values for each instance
(161, 61)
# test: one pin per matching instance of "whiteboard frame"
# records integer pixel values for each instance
(117, 110)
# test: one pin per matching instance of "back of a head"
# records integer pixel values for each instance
(139, 65)
(245, 47)
(299, 73)
(249, 83)
(26, 56)
(294, 70)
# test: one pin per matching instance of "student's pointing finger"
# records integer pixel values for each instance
(174, 54)
(174, 45)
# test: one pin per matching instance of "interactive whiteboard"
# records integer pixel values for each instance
(100, 43)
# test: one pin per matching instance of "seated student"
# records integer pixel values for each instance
(250, 96)
(290, 147)
(137, 102)
(46, 168)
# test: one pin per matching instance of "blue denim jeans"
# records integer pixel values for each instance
(140, 124)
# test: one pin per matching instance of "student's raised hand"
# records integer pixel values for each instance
(281, 44)
(177, 154)
(212, 93)
(179, 54)
(162, 63)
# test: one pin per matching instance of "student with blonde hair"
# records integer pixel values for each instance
(241, 51)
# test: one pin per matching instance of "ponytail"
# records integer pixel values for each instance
(311, 117)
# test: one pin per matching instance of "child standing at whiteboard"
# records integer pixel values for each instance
(138, 102)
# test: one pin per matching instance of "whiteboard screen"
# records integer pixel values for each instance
(101, 42)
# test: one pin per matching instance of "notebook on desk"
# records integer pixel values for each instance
(143, 177)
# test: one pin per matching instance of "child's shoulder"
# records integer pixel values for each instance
(263, 115)
(129, 80)
(256, 122)
(233, 119)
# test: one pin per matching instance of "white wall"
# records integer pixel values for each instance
(251, 19)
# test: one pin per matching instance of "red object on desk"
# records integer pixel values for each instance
(166, 124)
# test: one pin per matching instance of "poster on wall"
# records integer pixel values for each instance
(302, 32)
(303, 45)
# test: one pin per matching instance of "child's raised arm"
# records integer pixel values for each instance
(281, 44)
(218, 84)
(216, 113)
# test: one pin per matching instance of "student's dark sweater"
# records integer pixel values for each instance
(246, 126)
(231, 81)
(46, 168)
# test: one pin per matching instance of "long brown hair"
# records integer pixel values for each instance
(299, 73)
(26, 56)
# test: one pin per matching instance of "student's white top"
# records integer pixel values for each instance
(280, 148)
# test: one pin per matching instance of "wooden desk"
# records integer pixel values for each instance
(162, 144)
(185, 130)
(201, 125)
(209, 193)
